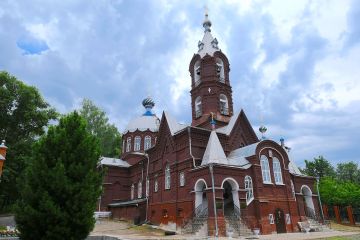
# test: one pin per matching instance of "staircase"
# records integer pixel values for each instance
(316, 222)
(236, 223)
(197, 224)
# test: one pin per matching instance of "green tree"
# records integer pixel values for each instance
(23, 117)
(348, 172)
(320, 167)
(98, 124)
(61, 185)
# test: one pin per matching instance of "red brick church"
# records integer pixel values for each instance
(214, 175)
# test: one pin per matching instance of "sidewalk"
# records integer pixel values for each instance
(123, 230)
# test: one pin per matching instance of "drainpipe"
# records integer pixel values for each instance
(192, 156)
(213, 190)
(318, 192)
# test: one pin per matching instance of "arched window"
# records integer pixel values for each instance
(220, 70)
(197, 73)
(128, 144)
(156, 185)
(140, 189)
(123, 146)
(137, 143)
(292, 189)
(265, 169)
(147, 142)
(198, 109)
(167, 177)
(277, 171)
(249, 190)
(182, 179)
(147, 188)
(132, 191)
(224, 105)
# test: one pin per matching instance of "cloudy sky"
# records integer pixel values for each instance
(295, 65)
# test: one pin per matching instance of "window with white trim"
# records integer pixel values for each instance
(128, 144)
(292, 189)
(182, 179)
(156, 185)
(271, 218)
(265, 169)
(277, 171)
(167, 177)
(147, 142)
(123, 146)
(147, 188)
(249, 189)
(224, 105)
(198, 109)
(137, 143)
(132, 191)
(140, 189)
(287, 218)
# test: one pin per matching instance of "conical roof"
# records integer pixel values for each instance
(214, 152)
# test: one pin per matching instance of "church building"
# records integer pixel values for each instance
(213, 175)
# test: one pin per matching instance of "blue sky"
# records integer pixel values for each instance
(294, 64)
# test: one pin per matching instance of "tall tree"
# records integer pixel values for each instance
(98, 124)
(23, 116)
(320, 167)
(61, 185)
(348, 172)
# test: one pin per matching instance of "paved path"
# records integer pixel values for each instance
(123, 230)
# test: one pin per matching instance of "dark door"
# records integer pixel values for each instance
(280, 221)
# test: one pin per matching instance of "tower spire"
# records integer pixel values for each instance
(207, 22)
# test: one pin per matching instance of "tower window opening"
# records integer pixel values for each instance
(147, 142)
(128, 144)
(198, 108)
(137, 143)
(224, 105)
(197, 73)
(220, 70)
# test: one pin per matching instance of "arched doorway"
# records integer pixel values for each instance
(231, 196)
(201, 202)
(308, 201)
(280, 221)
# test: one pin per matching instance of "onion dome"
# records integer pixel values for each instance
(207, 23)
(263, 130)
(148, 121)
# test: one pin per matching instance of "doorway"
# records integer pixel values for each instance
(280, 221)
(231, 201)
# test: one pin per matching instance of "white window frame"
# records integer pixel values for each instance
(147, 188)
(147, 142)
(132, 191)
(137, 143)
(265, 169)
(249, 190)
(224, 104)
(128, 144)
(293, 189)
(277, 171)
(140, 189)
(167, 177)
(271, 219)
(198, 106)
(287, 218)
(182, 179)
(156, 185)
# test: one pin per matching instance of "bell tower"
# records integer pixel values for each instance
(210, 86)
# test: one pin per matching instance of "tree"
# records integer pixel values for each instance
(23, 117)
(348, 172)
(61, 185)
(98, 124)
(320, 167)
